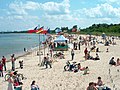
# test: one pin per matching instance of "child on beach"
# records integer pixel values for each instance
(107, 50)
(80, 68)
(118, 62)
(100, 85)
(47, 62)
(99, 82)
(86, 71)
(21, 64)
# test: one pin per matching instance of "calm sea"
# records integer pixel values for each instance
(15, 43)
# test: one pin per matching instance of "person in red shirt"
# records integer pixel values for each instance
(1, 69)
(4, 62)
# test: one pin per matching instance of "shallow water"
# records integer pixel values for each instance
(16, 42)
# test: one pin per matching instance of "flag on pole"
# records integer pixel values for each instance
(48, 31)
(33, 30)
(41, 29)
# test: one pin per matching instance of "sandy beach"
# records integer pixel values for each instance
(56, 78)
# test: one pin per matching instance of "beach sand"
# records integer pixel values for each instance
(58, 79)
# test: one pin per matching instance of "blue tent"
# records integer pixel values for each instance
(60, 38)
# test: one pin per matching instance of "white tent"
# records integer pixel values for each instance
(60, 38)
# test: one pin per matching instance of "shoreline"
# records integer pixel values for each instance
(28, 52)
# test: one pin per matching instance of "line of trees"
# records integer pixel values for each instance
(95, 28)
(112, 28)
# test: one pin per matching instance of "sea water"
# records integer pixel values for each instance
(16, 42)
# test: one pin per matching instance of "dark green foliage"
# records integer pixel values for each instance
(100, 28)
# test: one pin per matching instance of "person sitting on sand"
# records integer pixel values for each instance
(93, 48)
(16, 83)
(34, 86)
(100, 85)
(79, 67)
(112, 62)
(106, 43)
(97, 57)
(92, 86)
(89, 57)
(86, 71)
(118, 62)
(99, 82)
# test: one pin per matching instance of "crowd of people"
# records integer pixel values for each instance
(113, 62)
(89, 41)
(99, 85)
(14, 82)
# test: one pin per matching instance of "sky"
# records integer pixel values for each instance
(19, 15)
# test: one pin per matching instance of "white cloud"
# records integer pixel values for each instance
(31, 5)
(116, 2)
(50, 12)
(53, 8)
(17, 8)
(66, 17)
(111, 1)
(102, 11)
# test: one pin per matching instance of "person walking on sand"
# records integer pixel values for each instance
(47, 62)
(4, 62)
(34, 86)
(1, 69)
(13, 62)
(86, 53)
(79, 45)
(72, 54)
